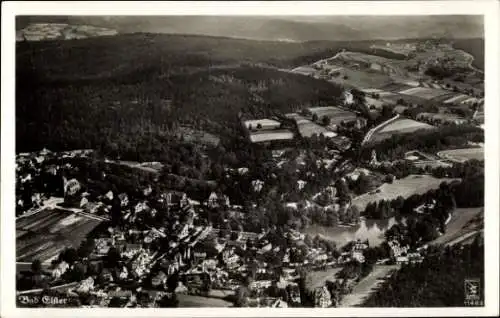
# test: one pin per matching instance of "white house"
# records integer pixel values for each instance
(110, 195)
(348, 98)
(86, 285)
(301, 184)
(213, 200)
(60, 269)
(257, 185)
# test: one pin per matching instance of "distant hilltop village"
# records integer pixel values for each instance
(60, 31)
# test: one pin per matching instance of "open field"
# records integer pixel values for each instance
(306, 127)
(200, 301)
(362, 79)
(413, 184)
(379, 103)
(393, 66)
(317, 279)
(462, 155)
(394, 98)
(270, 135)
(367, 285)
(421, 155)
(26, 267)
(43, 235)
(424, 92)
(380, 92)
(405, 125)
(362, 57)
(395, 87)
(337, 115)
(441, 118)
(372, 90)
(138, 165)
(398, 48)
(399, 126)
(445, 97)
(462, 222)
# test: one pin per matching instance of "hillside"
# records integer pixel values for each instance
(70, 93)
(473, 46)
(287, 28)
(105, 57)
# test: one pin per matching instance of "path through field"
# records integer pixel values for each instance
(367, 285)
(459, 227)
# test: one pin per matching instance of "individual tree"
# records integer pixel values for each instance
(69, 255)
(326, 120)
(241, 296)
(115, 302)
(36, 266)
(113, 257)
(86, 248)
(354, 214)
(362, 183)
(77, 273)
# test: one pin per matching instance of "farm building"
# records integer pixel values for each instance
(348, 98)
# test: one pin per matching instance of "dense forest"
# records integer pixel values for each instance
(436, 282)
(472, 46)
(136, 116)
(88, 94)
(103, 56)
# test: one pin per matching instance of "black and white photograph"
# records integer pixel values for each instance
(330, 161)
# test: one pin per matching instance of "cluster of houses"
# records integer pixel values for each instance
(39, 176)
(402, 255)
(184, 246)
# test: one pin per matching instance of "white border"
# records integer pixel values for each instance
(488, 8)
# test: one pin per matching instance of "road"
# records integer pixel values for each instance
(59, 287)
(367, 285)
